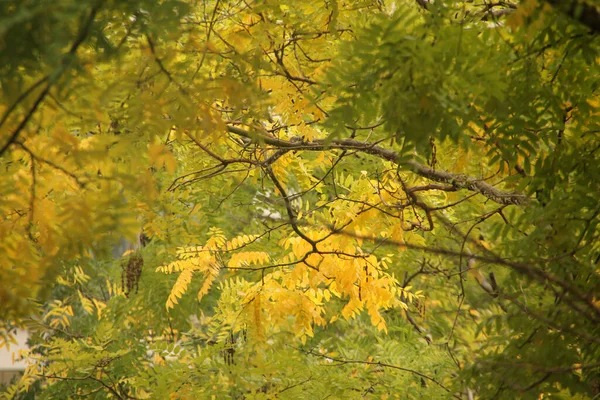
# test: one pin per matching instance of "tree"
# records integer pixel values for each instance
(339, 198)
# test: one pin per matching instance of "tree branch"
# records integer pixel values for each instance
(381, 364)
(458, 181)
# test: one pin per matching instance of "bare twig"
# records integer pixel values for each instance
(381, 364)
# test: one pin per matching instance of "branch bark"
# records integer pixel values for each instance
(458, 181)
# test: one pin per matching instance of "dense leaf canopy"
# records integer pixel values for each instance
(301, 199)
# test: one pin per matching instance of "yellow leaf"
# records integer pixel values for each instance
(180, 287)
(160, 156)
(248, 258)
(85, 303)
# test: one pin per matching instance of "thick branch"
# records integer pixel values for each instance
(458, 181)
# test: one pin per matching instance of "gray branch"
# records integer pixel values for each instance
(459, 181)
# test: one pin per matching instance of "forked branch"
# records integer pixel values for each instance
(458, 181)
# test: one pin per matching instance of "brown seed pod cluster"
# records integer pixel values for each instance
(421, 308)
(131, 273)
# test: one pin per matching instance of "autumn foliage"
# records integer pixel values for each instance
(301, 199)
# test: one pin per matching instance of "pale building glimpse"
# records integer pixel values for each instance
(8, 369)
